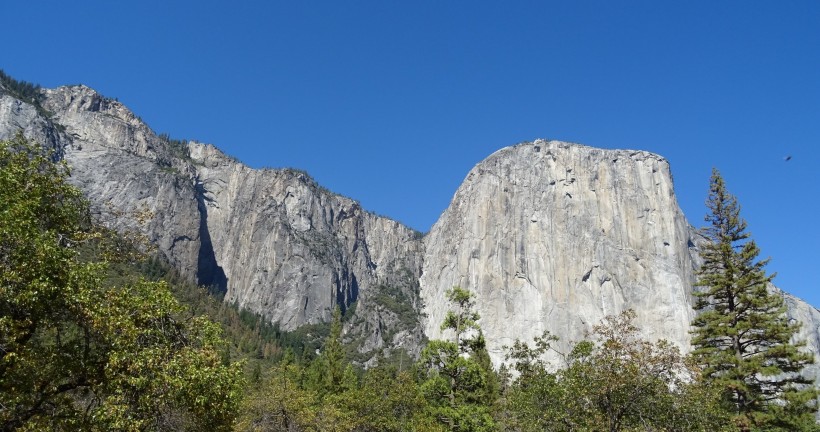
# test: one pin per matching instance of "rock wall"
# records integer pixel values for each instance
(124, 169)
(18, 116)
(809, 317)
(290, 249)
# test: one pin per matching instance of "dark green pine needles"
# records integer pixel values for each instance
(742, 336)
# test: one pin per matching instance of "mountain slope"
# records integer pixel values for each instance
(272, 241)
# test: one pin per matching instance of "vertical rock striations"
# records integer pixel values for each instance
(291, 250)
(124, 168)
(555, 236)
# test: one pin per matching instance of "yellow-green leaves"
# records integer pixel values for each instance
(615, 381)
(77, 353)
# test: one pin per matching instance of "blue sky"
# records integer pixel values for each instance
(391, 103)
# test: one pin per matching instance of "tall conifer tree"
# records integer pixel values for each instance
(742, 337)
(456, 377)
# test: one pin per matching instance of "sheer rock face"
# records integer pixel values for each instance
(290, 249)
(120, 164)
(809, 332)
(125, 169)
(552, 236)
(18, 116)
(555, 236)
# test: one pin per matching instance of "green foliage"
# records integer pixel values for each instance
(395, 300)
(252, 336)
(452, 379)
(391, 400)
(742, 336)
(78, 353)
(25, 91)
(330, 373)
(614, 382)
(159, 361)
(281, 404)
(463, 319)
(325, 394)
(176, 147)
(306, 398)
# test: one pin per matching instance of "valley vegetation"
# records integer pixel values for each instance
(95, 334)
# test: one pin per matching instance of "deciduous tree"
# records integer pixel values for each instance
(77, 353)
(614, 382)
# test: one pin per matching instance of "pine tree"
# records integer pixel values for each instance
(328, 374)
(333, 356)
(742, 337)
(454, 373)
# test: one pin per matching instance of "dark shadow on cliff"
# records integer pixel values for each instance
(346, 289)
(208, 272)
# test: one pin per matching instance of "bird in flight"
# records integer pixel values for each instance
(787, 158)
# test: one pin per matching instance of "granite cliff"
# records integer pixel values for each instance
(548, 235)
(555, 236)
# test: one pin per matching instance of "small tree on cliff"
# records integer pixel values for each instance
(742, 337)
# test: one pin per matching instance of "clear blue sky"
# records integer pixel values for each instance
(391, 103)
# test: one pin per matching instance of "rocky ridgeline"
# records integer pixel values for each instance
(272, 241)
(549, 235)
(290, 250)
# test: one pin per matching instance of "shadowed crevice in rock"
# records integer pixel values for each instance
(354, 292)
(347, 290)
(209, 273)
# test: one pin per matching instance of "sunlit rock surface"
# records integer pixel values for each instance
(555, 236)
